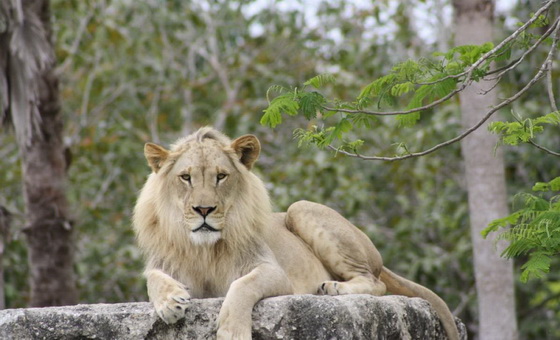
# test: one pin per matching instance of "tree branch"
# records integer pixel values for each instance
(544, 149)
(541, 73)
(467, 73)
(548, 65)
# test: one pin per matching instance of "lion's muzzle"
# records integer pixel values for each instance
(205, 228)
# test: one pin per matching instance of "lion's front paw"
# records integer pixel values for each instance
(233, 323)
(171, 307)
(237, 333)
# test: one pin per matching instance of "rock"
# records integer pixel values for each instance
(287, 317)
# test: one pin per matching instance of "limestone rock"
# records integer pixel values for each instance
(288, 317)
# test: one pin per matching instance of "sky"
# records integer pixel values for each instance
(427, 23)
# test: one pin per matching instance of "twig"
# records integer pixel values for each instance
(548, 66)
(549, 73)
(544, 149)
(550, 89)
(75, 45)
(397, 113)
(551, 29)
(87, 91)
(153, 114)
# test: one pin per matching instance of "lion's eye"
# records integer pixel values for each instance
(221, 176)
(185, 177)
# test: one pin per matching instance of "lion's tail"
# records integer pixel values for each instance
(401, 286)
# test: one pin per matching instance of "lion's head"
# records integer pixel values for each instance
(202, 191)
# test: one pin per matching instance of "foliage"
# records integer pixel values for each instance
(417, 83)
(421, 84)
(523, 130)
(535, 230)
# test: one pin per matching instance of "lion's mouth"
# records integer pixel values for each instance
(205, 228)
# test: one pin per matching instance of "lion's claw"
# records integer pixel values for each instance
(180, 299)
(329, 288)
(173, 308)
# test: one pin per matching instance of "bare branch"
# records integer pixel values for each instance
(544, 149)
(551, 29)
(87, 90)
(550, 88)
(397, 113)
(75, 45)
(153, 114)
(548, 66)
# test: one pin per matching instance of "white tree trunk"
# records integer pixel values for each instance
(484, 166)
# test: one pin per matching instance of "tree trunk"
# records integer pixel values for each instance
(49, 232)
(5, 221)
(484, 166)
(34, 107)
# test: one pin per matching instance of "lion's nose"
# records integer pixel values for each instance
(204, 211)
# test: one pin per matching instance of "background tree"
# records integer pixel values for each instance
(5, 221)
(30, 97)
(486, 185)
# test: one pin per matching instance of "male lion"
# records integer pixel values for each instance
(204, 221)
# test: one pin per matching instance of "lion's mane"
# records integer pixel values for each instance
(158, 220)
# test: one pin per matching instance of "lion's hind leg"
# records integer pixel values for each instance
(346, 252)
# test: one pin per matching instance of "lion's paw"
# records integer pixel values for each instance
(233, 334)
(173, 306)
(233, 323)
(331, 288)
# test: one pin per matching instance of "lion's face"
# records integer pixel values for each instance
(202, 178)
(205, 179)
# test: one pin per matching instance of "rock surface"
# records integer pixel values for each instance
(288, 317)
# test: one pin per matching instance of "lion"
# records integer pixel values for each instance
(204, 222)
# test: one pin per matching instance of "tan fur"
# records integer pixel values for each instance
(204, 221)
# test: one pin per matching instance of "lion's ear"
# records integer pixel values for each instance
(247, 149)
(155, 155)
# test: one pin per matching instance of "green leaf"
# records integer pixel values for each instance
(445, 87)
(310, 103)
(285, 103)
(408, 120)
(553, 185)
(320, 80)
(422, 92)
(354, 146)
(541, 21)
(400, 89)
(341, 128)
(500, 223)
(552, 118)
(378, 86)
(536, 267)
(503, 53)
(363, 120)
